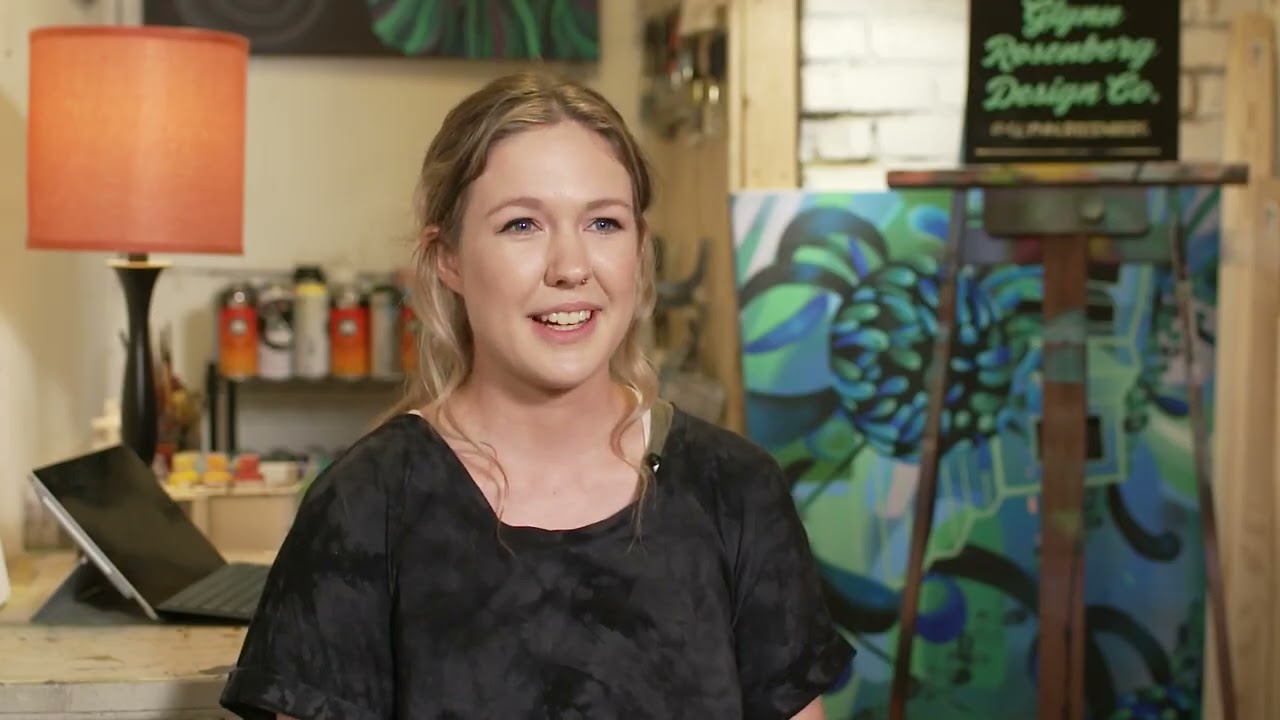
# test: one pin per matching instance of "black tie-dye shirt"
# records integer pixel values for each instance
(397, 595)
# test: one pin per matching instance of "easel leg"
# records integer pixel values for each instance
(1200, 454)
(1063, 451)
(930, 454)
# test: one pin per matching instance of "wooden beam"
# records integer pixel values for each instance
(1245, 370)
(763, 135)
(1061, 657)
(764, 47)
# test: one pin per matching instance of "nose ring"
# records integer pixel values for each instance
(585, 280)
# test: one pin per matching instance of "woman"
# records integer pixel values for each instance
(535, 535)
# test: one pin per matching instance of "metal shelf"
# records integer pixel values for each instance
(223, 396)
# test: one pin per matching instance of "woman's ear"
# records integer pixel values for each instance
(444, 258)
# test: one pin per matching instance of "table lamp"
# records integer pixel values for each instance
(135, 145)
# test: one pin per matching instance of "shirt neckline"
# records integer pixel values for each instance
(532, 534)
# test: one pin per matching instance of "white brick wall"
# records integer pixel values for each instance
(882, 85)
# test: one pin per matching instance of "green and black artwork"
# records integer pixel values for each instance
(565, 30)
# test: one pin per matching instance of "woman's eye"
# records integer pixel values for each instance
(605, 225)
(519, 225)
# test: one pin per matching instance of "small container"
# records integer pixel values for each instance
(217, 471)
(275, 332)
(215, 462)
(216, 478)
(186, 461)
(349, 330)
(409, 330)
(410, 326)
(384, 331)
(310, 323)
(279, 473)
(247, 468)
(238, 333)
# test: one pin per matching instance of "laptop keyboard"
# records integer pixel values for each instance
(231, 591)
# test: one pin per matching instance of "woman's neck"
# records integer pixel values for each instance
(532, 425)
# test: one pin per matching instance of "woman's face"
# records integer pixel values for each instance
(546, 263)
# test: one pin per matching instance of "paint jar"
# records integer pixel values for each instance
(238, 333)
(310, 323)
(275, 331)
(409, 328)
(384, 331)
(349, 329)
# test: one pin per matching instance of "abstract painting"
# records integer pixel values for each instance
(838, 297)
(477, 29)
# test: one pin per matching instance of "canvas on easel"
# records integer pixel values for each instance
(838, 310)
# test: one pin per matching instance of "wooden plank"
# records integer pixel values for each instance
(1194, 376)
(124, 671)
(765, 57)
(116, 671)
(1260, 569)
(1243, 469)
(1063, 449)
(721, 354)
(763, 110)
(930, 455)
(142, 654)
(737, 65)
(34, 578)
(1249, 119)
(1073, 175)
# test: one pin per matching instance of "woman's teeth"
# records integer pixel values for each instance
(565, 320)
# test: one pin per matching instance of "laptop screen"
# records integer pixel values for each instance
(118, 502)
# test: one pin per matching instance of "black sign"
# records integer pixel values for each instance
(1072, 81)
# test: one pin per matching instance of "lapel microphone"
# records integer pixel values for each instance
(654, 460)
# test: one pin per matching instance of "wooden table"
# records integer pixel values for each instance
(135, 672)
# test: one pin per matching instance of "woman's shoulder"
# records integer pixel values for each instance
(378, 460)
(707, 442)
(719, 461)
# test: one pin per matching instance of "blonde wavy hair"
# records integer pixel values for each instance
(456, 157)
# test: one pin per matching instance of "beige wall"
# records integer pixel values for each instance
(333, 148)
(50, 304)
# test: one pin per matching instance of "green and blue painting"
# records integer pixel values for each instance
(554, 30)
(838, 298)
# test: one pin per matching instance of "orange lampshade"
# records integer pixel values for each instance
(135, 140)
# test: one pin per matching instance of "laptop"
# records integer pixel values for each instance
(142, 543)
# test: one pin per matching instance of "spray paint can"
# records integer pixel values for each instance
(384, 331)
(409, 331)
(238, 333)
(349, 330)
(275, 332)
(310, 323)
(409, 326)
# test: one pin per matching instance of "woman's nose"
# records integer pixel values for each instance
(568, 264)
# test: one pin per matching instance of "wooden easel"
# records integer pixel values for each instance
(1061, 208)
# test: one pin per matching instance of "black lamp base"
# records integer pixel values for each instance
(139, 411)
